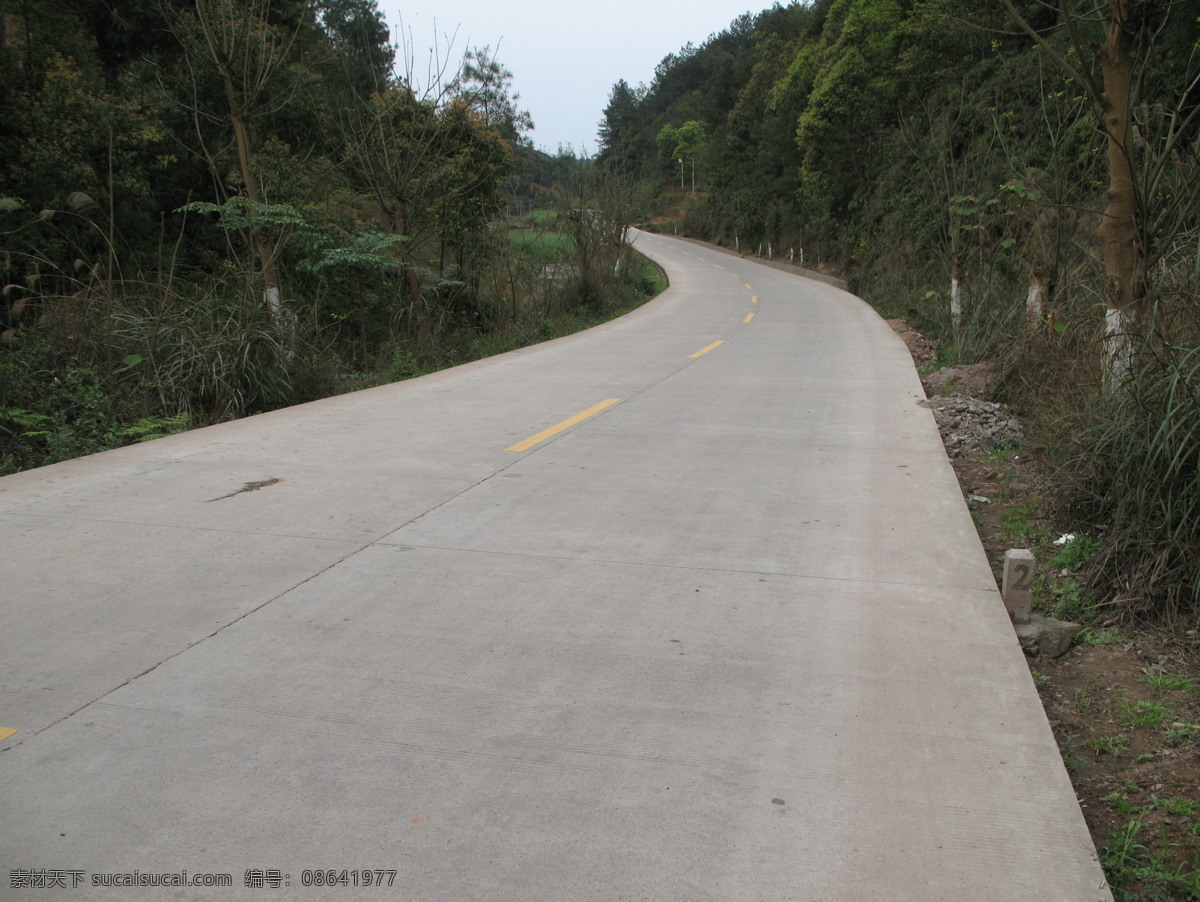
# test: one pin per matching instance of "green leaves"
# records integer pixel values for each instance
(240, 212)
(366, 251)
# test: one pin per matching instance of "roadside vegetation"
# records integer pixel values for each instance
(210, 209)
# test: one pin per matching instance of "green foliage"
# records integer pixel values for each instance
(1163, 682)
(1143, 473)
(74, 418)
(149, 428)
(1071, 601)
(1109, 745)
(367, 251)
(1101, 637)
(1144, 713)
(682, 143)
(1073, 553)
(240, 212)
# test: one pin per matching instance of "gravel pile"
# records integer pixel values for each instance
(968, 424)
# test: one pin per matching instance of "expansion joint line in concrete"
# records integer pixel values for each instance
(989, 591)
(191, 645)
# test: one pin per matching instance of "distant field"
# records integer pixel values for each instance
(547, 247)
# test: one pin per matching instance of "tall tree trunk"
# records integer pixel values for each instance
(264, 247)
(418, 310)
(1124, 287)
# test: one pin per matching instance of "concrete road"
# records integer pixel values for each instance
(685, 607)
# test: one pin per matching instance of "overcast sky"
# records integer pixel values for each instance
(565, 56)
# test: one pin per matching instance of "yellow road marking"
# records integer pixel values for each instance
(754, 299)
(704, 351)
(749, 287)
(5, 732)
(565, 424)
(749, 316)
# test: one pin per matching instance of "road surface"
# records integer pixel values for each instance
(685, 607)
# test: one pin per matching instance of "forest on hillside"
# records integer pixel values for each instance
(1018, 179)
(210, 208)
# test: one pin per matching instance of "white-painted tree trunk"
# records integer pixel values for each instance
(1035, 302)
(956, 303)
(1118, 347)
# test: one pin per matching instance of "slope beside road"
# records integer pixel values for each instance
(688, 606)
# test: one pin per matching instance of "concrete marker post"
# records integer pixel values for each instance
(1017, 586)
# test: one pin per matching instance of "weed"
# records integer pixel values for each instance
(1101, 637)
(1120, 804)
(1144, 713)
(1121, 855)
(1072, 601)
(1024, 524)
(1187, 735)
(1003, 454)
(1109, 745)
(1041, 679)
(1072, 762)
(1073, 554)
(1161, 682)
(1176, 806)
(1132, 872)
(1082, 700)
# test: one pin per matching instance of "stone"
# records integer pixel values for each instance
(1046, 636)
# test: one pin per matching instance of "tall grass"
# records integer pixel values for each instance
(119, 361)
(204, 353)
(1141, 477)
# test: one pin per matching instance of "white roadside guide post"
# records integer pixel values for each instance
(1017, 586)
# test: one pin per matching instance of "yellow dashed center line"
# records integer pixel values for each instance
(749, 316)
(754, 299)
(749, 287)
(565, 424)
(704, 351)
(5, 732)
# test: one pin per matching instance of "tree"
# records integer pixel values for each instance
(358, 36)
(595, 206)
(433, 164)
(486, 86)
(235, 44)
(683, 144)
(617, 126)
(1121, 36)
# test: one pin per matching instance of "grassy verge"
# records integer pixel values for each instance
(135, 369)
